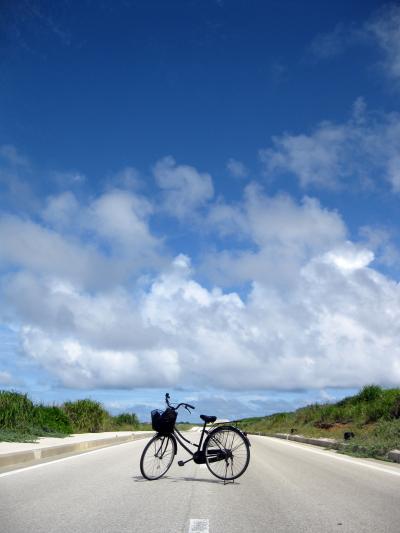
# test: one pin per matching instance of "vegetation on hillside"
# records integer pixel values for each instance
(23, 421)
(373, 415)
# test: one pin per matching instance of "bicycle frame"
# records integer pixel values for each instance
(197, 456)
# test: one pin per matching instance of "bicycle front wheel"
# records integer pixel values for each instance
(227, 453)
(157, 457)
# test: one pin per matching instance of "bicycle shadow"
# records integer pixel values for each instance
(140, 479)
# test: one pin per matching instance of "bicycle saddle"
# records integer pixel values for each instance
(208, 419)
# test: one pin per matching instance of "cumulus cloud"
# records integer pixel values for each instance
(15, 189)
(381, 241)
(330, 44)
(316, 314)
(5, 378)
(185, 189)
(12, 156)
(286, 300)
(384, 27)
(364, 151)
(381, 29)
(61, 210)
(281, 235)
(236, 168)
(95, 244)
(68, 179)
(334, 329)
(120, 218)
(28, 245)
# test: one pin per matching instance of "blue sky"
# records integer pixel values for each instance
(200, 197)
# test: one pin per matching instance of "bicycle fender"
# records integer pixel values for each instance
(244, 434)
(227, 427)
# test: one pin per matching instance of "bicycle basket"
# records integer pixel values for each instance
(163, 421)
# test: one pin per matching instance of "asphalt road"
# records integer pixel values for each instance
(288, 487)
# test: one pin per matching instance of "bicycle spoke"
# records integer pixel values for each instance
(236, 454)
(157, 457)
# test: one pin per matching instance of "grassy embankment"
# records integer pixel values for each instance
(23, 421)
(373, 415)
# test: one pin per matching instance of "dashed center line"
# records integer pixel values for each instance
(199, 525)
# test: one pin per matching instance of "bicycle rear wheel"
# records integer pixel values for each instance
(157, 457)
(227, 453)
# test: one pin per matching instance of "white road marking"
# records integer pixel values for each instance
(198, 525)
(49, 463)
(332, 455)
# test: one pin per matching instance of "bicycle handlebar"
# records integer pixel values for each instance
(186, 405)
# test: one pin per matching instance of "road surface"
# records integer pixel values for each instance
(288, 487)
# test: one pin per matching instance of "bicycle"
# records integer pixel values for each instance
(225, 449)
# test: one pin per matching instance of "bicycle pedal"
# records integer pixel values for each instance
(181, 463)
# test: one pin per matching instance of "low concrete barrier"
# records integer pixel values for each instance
(323, 442)
(394, 455)
(17, 458)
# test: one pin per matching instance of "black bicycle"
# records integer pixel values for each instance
(224, 448)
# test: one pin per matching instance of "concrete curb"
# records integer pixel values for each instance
(17, 458)
(324, 443)
(393, 455)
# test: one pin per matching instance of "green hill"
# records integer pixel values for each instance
(373, 415)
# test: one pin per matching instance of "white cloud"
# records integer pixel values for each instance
(5, 378)
(68, 179)
(330, 44)
(28, 245)
(15, 173)
(381, 242)
(337, 327)
(317, 314)
(185, 189)
(362, 152)
(381, 29)
(98, 302)
(61, 210)
(120, 218)
(348, 257)
(384, 27)
(280, 235)
(127, 178)
(98, 244)
(236, 168)
(12, 156)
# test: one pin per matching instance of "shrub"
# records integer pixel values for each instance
(395, 408)
(369, 393)
(126, 419)
(51, 419)
(86, 415)
(16, 410)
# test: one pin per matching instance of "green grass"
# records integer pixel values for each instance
(373, 415)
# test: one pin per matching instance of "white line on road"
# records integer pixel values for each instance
(332, 455)
(49, 463)
(198, 525)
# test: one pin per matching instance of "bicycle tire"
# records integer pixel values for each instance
(157, 456)
(227, 453)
